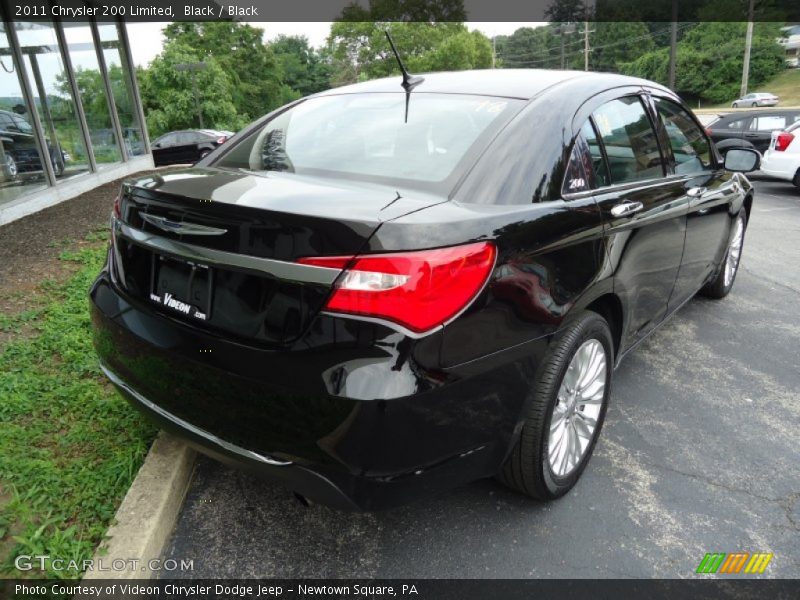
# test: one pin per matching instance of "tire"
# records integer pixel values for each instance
(11, 169)
(754, 105)
(723, 281)
(796, 180)
(735, 105)
(58, 167)
(529, 468)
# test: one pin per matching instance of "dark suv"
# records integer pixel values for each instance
(20, 154)
(751, 128)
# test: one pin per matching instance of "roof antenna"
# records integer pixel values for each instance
(409, 81)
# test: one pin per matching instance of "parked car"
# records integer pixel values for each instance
(184, 147)
(106, 138)
(757, 99)
(750, 129)
(782, 158)
(374, 294)
(19, 148)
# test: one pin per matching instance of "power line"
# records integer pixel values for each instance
(552, 53)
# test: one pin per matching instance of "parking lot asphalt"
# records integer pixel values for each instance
(699, 453)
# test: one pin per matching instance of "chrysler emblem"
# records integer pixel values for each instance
(181, 227)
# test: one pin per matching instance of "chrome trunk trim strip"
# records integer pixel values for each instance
(209, 256)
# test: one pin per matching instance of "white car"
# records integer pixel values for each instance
(758, 99)
(782, 158)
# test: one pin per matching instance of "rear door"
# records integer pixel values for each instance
(645, 214)
(759, 130)
(164, 149)
(186, 147)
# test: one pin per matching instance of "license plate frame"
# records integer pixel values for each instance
(182, 287)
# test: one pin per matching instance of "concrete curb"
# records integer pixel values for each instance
(148, 512)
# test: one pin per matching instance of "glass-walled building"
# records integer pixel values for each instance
(70, 113)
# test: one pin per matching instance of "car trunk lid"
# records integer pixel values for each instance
(217, 248)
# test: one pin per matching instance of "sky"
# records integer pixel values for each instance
(147, 40)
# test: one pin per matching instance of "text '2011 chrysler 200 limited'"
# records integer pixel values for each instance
(381, 292)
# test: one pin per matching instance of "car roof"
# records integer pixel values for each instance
(743, 114)
(510, 83)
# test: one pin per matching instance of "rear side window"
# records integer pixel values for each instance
(575, 179)
(690, 148)
(598, 175)
(629, 140)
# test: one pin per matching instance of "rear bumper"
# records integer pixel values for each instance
(780, 165)
(383, 432)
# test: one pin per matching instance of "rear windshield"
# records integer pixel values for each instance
(367, 136)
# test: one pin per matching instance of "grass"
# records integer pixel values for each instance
(69, 444)
(785, 85)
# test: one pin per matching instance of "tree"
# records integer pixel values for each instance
(168, 94)
(538, 48)
(710, 59)
(360, 50)
(304, 69)
(615, 43)
(253, 71)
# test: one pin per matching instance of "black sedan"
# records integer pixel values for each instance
(376, 293)
(186, 147)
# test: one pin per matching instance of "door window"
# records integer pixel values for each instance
(690, 148)
(166, 140)
(629, 140)
(6, 123)
(768, 123)
(737, 124)
(184, 138)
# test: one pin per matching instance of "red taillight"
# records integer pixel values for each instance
(117, 212)
(221, 140)
(418, 290)
(783, 140)
(708, 131)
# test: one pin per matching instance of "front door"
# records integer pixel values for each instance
(708, 190)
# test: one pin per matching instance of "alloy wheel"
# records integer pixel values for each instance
(734, 252)
(11, 167)
(580, 401)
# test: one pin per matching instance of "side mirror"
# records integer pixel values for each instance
(742, 160)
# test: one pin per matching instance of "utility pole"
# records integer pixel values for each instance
(673, 45)
(586, 45)
(748, 42)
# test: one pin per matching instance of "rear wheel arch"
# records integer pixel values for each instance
(609, 306)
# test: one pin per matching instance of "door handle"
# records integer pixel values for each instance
(626, 208)
(696, 192)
